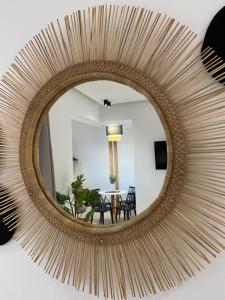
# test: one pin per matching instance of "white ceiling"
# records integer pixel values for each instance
(110, 90)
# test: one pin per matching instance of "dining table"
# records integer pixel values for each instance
(115, 196)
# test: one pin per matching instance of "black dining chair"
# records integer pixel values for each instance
(128, 205)
(131, 189)
(102, 207)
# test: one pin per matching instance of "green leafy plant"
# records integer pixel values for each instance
(77, 187)
(89, 199)
(79, 201)
(112, 179)
(64, 201)
(61, 198)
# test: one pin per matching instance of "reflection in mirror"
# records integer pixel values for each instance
(102, 152)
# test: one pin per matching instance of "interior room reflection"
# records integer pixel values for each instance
(103, 152)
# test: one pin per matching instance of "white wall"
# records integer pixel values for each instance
(72, 105)
(90, 146)
(60, 131)
(76, 131)
(88, 143)
(146, 128)
(20, 278)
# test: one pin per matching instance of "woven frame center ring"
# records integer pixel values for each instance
(29, 145)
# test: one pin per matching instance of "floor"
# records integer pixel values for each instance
(107, 218)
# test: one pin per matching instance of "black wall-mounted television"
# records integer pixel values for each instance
(160, 155)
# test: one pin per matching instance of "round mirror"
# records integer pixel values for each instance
(103, 152)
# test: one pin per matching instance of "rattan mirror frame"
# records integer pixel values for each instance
(29, 158)
(184, 228)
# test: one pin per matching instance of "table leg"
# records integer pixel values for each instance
(113, 201)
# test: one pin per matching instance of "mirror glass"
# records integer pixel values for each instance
(103, 152)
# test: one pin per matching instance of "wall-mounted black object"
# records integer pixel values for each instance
(107, 103)
(160, 155)
(215, 39)
(5, 233)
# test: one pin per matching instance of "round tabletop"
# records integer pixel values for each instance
(112, 192)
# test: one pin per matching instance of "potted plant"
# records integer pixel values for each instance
(112, 180)
(81, 199)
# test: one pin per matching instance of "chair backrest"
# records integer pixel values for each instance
(131, 189)
(131, 194)
(131, 199)
(96, 190)
(102, 203)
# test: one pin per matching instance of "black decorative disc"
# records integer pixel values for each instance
(215, 39)
(5, 233)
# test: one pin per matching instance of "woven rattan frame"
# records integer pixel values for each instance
(175, 136)
(184, 229)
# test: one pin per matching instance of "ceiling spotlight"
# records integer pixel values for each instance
(107, 103)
